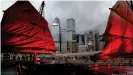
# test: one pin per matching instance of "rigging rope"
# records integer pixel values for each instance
(49, 14)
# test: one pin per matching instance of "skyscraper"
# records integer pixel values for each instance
(97, 40)
(86, 38)
(91, 40)
(80, 39)
(70, 34)
(64, 41)
(94, 39)
(70, 29)
(56, 33)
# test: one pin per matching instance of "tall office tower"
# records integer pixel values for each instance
(64, 41)
(86, 38)
(64, 34)
(55, 34)
(91, 41)
(80, 40)
(94, 38)
(102, 42)
(97, 40)
(71, 29)
(70, 33)
(86, 41)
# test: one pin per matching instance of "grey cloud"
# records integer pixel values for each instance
(87, 14)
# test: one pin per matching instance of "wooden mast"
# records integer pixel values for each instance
(42, 7)
(131, 4)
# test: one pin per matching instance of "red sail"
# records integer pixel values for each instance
(25, 29)
(119, 31)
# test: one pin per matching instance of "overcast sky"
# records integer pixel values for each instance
(88, 15)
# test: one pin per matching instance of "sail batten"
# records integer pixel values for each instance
(121, 15)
